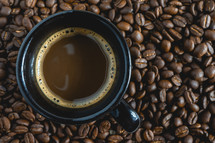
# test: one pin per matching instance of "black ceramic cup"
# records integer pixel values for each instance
(112, 102)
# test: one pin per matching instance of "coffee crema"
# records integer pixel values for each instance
(75, 67)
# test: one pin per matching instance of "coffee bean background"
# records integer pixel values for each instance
(172, 86)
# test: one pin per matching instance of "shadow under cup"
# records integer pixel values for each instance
(26, 70)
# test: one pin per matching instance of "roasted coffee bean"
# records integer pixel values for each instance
(140, 63)
(189, 45)
(149, 54)
(210, 34)
(28, 115)
(182, 131)
(192, 118)
(65, 6)
(136, 75)
(200, 50)
(27, 23)
(138, 135)
(5, 35)
(209, 5)
(166, 17)
(137, 36)
(31, 3)
(83, 130)
(188, 58)
(41, 4)
(124, 26)
(205, 116)
(128, 18)
(93, 132)
(175, 34)
(166, 120)
(148, 135)
(22, 122)
(94, 9)
(196, 31)
(139, 19)
(120, 3)
(93, 1)
(179, 21)
(132, 88)
(126, 10)
(50, 3)
(189, 97)
(197, 74)
(167, 74)
(159, 62)
(111, 14)
(104, 6)
(156, 37)
(194, 107)
(135, 52)
(5, 11)
(178, 122)
(176, 67)
(36, 128)
(150, 15)
(166, 45)
(19, 106)
(115, 138)
(205, 21)
(20, 129)
(44, 137)
(4, 124)
(210, 71)
(103, 135)
(80, 7)
(188, 139)
(29, 138)
(104, 126)
(176, 80)
(150, 77)
(171, 10)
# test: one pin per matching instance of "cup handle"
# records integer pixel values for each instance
(126, 117)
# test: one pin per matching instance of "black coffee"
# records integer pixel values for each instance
(75, 67)
(73, 64)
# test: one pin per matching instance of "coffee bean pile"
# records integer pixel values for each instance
(172, 86)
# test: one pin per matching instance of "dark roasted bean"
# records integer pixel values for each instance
(205, 21)
(205, 116)
(139, 19)
(196, 31)
(124, 26)
(44, 137)
(179, 21)
(182, 131)
(171, 10)
(137, 36)
(140, 63)
(149, 54)
(115, 138)
(65, 6)
(178, 122)
(200, 50)
(148, 135)
(210, 34)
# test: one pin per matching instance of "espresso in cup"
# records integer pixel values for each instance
(75, 67)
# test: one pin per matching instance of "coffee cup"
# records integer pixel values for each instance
(74, 67)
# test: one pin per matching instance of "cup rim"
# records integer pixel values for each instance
(26, 94)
